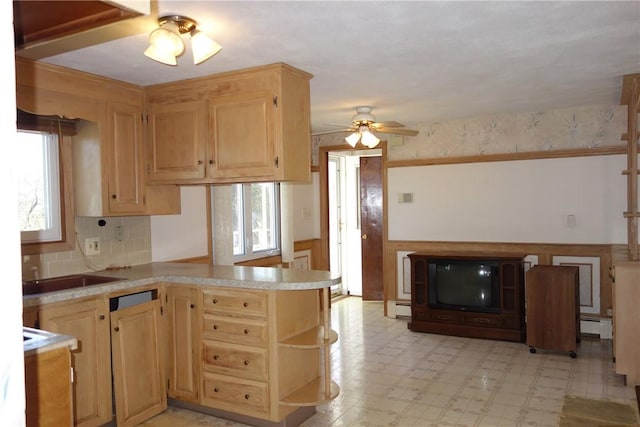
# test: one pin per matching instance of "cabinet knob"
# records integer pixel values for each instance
(116, 329)
(246, 363)
(199, 162)
(216, 357)
(113, 196)
(215, 327)
(245, 304)
(216, 389)
(215, 301)
(212, 162)
(101, 317)
(246, 396)
(192, 306)
(246, 331)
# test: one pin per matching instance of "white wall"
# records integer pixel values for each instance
(512, 201)
(185, 235)
(12, 356)
(306, 209)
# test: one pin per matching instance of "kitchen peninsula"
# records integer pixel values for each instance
(246, 343)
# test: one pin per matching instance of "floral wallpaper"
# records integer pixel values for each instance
(584, 127)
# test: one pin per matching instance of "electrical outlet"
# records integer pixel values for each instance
(609, 312)
(118, 233)
(92, 246)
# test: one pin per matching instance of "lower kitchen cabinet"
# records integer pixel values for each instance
(138, 370)
(87, 321)
(182, 327)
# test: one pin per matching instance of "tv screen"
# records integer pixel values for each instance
(464, 285)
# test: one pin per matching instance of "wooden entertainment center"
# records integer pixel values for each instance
(503, 320)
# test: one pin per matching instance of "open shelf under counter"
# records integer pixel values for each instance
(311, 338)
(312, 394)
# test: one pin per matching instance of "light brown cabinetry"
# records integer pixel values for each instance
(108, 151)
(183, 319)
(265, 353)
(48, 388)
(137, 359)
(626, 318)
(553, 308)
(88, 322)
(244, 126)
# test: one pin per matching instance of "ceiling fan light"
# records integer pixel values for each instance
(369, 139)
(353, 139)
(167, 39)
(162, 57)
(203, 47)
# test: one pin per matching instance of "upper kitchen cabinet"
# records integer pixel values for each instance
(250, 125)
(108, 149)
(45, 28)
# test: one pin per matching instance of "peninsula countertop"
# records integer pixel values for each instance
(204, 275)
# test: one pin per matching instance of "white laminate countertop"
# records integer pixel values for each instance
(204, 275)
(39, 341)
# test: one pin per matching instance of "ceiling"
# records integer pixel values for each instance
(414, 61)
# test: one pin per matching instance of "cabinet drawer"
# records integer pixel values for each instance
(229, 329)
(237, 360)
(446, 317)
(483, 320)
(247, 303)
(235, 394)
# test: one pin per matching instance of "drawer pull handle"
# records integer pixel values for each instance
(246, 331)
(246, 363)
(215, 327)
(192, 306)
(246, 396)
(216, 357)
(245, 304)
(215, 300)
(216, 389)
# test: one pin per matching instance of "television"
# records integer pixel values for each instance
(462, 284)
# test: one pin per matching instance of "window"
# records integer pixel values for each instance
(38, 176)
(256, 220)
(43, 174)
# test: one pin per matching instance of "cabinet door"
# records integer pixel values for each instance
(176, 139)
(125, 152)
(183, 337)
(137, 363)
(242, 137)
(87, 321)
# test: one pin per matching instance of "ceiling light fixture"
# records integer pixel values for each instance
(363, 132)
(166, 45)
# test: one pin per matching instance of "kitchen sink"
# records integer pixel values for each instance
(52, 284)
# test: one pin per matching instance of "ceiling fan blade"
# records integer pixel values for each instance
(331, 131)
(390, 124)
(398, 131)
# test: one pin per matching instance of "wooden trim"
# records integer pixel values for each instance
(68, 241)
(503, 157)
(270, 261)
(209, 224)
(315, 168)
(205, 259)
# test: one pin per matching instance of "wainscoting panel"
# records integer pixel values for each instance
(589, 277)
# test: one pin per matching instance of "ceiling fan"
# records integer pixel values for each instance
(363, 125)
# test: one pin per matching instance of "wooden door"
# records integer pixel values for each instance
(126, 178)
(138, 374)
(183, 338)
(176, 141)
(242, 131)
(87, 321)
(371, 226)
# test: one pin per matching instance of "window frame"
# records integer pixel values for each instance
(247, 229)
(65, 161)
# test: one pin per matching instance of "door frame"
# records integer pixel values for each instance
(323, 169)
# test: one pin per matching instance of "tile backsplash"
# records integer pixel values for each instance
(130, 246)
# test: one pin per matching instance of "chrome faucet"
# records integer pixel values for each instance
(35, 272)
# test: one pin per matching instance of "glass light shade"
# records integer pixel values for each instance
(369, 139)
(352, 139)
(203, 47)
(164, 43)
(162, 57)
